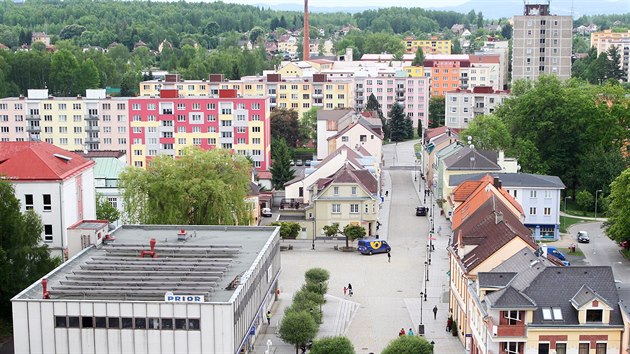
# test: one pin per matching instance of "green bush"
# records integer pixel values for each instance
(317, 275)
(409, 344)
(336, 345)
(320, 288)
(305, 295)
(310, 307)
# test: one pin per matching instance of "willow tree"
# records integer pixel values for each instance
(198, 188)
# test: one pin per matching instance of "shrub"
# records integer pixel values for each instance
(337, 345)
(409, 344)
(317, 275)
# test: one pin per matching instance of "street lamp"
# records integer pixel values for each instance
(565, 204)
(596, 195)
(426, 279)
(421, 295)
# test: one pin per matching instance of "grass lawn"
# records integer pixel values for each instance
(566, 221)
(578, 252)
(574, 209)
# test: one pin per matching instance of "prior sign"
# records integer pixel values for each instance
(170, 297)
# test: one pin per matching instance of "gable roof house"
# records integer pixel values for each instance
(57, 184)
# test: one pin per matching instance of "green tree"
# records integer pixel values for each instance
(488, 133)
(87, 77)
(308, 124)
(285, 125)
(23, 257)
(584, 200)
(297, 328)
(256, 33)
(506, 31)
(281, 171)
(618, 224)
(408, 345)
(372, 105)
(63, 69)
(71, 31)
(419, 58)
(198, 188)
(398, 128)
(419, 128)
(332, 230)
(599, 167)
(328, 345)
(105, 210)
(437, 108)
(317, 275)
(353, 232)
(288, 229)
(614, 72)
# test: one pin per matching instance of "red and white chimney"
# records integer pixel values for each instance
(307, 47)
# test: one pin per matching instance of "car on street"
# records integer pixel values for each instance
(308, 163)
(298, 163)
(373, 245)
(582, 237)
(266, 212)
(421, 211)
(552, 250)
(292, 163)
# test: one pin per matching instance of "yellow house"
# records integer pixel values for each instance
(527, 305)
(414, 71)
(350, 196)
(489, 234)
(429, 46)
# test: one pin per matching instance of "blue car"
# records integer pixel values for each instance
(372, 245)
(554, 252)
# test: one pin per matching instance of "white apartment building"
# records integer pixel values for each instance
(462, 106)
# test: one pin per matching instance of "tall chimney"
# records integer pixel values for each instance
(305, 42)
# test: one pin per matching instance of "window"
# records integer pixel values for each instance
(336, 208)
(354, 190)
(532, 211)
(47, 202)
(48, 233)
(345, 139)
(193, 324)
(600, 348)
(140, 323)
(557, 313)
(73, 322)
(532, 194)
(594, 315)
(583, 348)
(167, 323)
(126, 322)
(561, 348)
(547, 211)
(28, 201)
(513, 317)
(113, 322)
(87, 322)
(546, 313)
(354, 208)
(180, 323)
(61, 322)
(336, 190)
(511, 347)
(543, 348)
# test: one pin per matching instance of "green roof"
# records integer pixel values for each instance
(108, 167)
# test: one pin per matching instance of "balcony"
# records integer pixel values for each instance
(400, 98)
(90, 117)
(359, 105)
(92, 140)
(92, 128)
(33, 117)
(358, 89)
(318, 104)
(33, 129)
(400, 89)
(317, 95)
(510, 331)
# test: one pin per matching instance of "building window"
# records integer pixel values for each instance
(600, 348)
(47, 202)
(336, 190)
(354, 190)
(561, 348)
(547, 211)
(61, 322)
(48, 233)
(532, 194)
(513, 317)
(345, 139)
(28, 201)
(532, 211)
(113, 322)
(583, 348)
(594, 315)
(336, 208)
(511, 347)
(354, 208)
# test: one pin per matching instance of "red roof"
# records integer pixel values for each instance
(34, 161)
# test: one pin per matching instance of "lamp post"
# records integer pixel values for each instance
(596, 195)
(565, 203)
(426, 278)
(421, 295)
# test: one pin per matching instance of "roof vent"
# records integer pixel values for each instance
(63, 157)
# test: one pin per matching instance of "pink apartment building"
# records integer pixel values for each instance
(166, 124)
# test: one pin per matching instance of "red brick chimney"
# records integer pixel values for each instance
(307, 47)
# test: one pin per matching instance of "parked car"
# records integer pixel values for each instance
(292, 163)
(298, 163)
(421, 211)
(266, 212)
(308, 163)
(373, 245)
(552, 250)
(582, 237)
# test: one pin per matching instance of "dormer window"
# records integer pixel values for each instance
(513, 317)
(594, 315)
(552, 314)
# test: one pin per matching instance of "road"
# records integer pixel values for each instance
(602, 251)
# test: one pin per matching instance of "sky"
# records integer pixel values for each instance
(354, 3)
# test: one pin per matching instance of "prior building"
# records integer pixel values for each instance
(154, 289)
(541, 43)
(57, 184)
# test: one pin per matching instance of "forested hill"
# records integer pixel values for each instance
(99, 23)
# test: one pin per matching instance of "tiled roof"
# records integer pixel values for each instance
(101, 153)
(349, 174)
(465, 189)
(254, 189)
(568, 281)
(44, 161)
(586, 295)
(512, 179)
(351, 155)
(623, 291)
(333, 114)
(471, 159)
(494, 279)
(362, 122)
(510, 298)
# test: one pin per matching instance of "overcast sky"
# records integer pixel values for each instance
(353, 3)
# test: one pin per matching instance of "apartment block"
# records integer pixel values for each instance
(390, 88)
(541, 43)
(447, 72)
(166, 124)
(462, 106)
(485, 70)
(93, 122)
(429, 46)
(607, 39)
(501, 48)
(600, 39)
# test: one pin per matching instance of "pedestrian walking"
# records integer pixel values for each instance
(389, 257)
(349, 287)
(268, 317)
(345, 291)
(439, 229)
(449, 324)
(350, 292)
(435, 312)
(410, 332)
(402, 332)
(386, 193)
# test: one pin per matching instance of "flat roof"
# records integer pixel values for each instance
(209, 262)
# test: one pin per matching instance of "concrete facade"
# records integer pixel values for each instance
(462, 106)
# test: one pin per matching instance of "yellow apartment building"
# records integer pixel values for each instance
(429, 46)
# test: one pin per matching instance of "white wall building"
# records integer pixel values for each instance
(462, 106)
(57, 184)
(154, 289)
